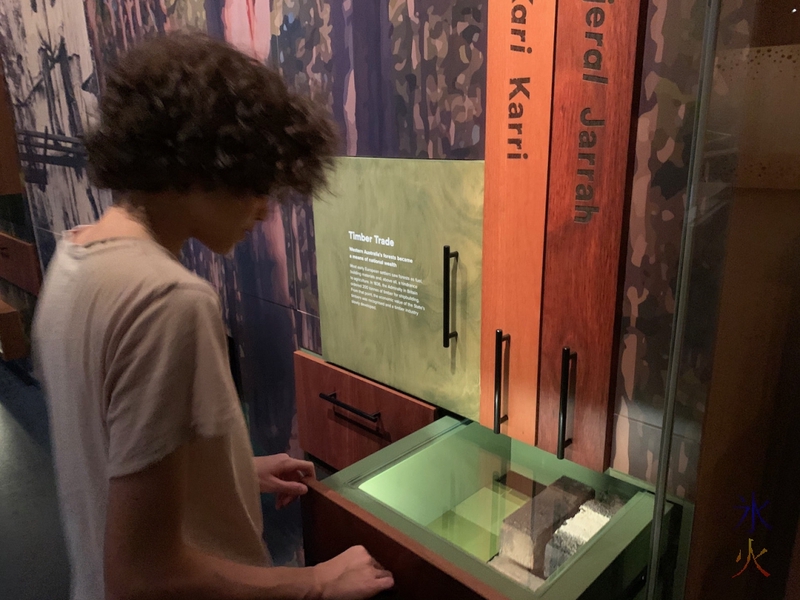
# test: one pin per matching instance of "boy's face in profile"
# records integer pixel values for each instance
(221, 220)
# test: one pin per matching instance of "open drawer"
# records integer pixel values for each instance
(467, 508)
(343, 418)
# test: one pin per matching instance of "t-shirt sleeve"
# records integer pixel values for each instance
(168, 380)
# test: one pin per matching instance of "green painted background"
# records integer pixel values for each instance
(422, 205)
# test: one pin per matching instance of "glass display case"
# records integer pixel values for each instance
(522, 521)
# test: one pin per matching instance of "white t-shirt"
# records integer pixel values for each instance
(131, 349)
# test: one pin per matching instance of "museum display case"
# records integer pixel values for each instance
(491, 517)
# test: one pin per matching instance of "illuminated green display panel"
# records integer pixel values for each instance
(380, 233)
(516, 517)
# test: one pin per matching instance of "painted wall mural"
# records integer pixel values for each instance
(402, 78)
(50, 74)
(115, 25)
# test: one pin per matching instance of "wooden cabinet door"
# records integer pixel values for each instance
(519, 96)
(595, 107)
(561, 118)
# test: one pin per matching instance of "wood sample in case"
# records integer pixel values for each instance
(526, 533)
(576, 532)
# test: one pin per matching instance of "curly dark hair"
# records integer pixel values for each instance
(185, 110)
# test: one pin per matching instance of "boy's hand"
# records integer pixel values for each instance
(353, 575)
(280, 474)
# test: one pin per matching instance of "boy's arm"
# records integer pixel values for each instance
(146, 557)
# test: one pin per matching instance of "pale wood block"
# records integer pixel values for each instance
(575, 532)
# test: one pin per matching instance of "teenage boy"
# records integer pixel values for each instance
(158, 486)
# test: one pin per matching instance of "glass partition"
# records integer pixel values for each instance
(738, 297)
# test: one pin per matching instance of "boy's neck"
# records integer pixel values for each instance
(135, 220)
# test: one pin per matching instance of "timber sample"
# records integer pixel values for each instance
(526, 533)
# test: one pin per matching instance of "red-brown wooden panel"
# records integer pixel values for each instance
(10, 180)
(13, 342)
(519, 93)
(340, 437)
(594, 100)
(19, 264)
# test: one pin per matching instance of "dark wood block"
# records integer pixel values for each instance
(526, 532)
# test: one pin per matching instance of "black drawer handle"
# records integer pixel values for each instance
(448, 335)
(567, 356)
(499, 340)
(336, 402)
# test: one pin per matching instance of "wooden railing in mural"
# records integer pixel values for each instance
(37, 150)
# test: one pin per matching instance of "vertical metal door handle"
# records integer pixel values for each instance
(498, 375)
(566, 359)
(448, 335)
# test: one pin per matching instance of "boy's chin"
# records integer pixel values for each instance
(224, 248)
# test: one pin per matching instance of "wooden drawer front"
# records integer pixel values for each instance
(332, 524)
(13, 342)
(338, 436)
(19, 264)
